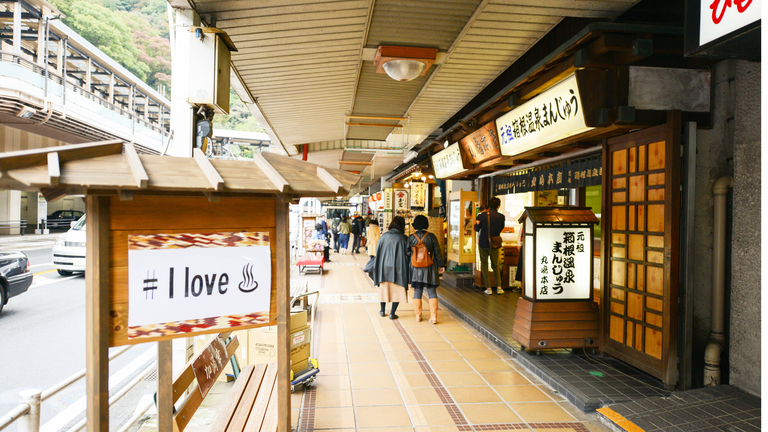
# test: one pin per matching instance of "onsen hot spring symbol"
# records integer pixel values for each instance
(249, 283)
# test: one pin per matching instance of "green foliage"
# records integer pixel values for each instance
(135, 34)
(239, 117)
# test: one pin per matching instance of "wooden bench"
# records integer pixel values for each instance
(252, 402)
(209, 363)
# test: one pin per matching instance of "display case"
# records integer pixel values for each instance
(461, 227)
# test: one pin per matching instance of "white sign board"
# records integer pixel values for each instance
(551, 116)
(720, 17)
(402, 202)
(42, 208)
(448, 162)
(180, 277)
(418, 194)
(563, 263)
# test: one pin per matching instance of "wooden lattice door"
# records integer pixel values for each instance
(640, 245)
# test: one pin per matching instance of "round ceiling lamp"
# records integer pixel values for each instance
(403, 69)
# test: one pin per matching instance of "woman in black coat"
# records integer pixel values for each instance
(391, 266)
(425, 277)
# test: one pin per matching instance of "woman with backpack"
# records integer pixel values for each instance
(426, 262)
(390, 267)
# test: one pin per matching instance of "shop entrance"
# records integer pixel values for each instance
(641, 223)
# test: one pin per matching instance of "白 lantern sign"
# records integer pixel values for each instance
(558, 253)
(178, 281)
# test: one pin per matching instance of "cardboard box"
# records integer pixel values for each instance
(262, 345)
(298, 320)
(300, 366)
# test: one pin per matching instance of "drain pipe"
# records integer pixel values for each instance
(716, 343)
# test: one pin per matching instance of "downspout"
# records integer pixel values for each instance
(716, 343)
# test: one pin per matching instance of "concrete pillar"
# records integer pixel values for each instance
(60, 57)
(182, 115)
(41, 43)
(17, 27)
(10, 209)
(88, 68)
(112, 88)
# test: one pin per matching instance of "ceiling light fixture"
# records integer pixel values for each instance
(445, 144)
(26, 112)
(404, 63)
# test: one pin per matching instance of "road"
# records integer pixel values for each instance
(43, 342)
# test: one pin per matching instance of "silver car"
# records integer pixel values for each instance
(69, 251)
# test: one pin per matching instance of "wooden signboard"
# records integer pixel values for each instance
(151, 203)
(481, 145)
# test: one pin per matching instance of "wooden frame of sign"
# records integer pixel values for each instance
(131, 194)
(544, 321)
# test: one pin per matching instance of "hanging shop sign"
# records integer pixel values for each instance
(570, 174)
(721, 17)
(183, 277)
(418, 194)
(387, 201)
(553, 115)
(385, 218)
(401, 200)
(481, 145)
(448, 162)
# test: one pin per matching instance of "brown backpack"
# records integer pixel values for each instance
(420, 257)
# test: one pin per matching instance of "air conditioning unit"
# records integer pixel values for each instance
(209, 68)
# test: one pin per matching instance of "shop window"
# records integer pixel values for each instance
(594, 199)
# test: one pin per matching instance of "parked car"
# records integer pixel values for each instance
(63, 218)
(15, 275)
(69, 250)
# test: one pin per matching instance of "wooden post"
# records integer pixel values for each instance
(96, 316)
(283, 318)
(165, 386)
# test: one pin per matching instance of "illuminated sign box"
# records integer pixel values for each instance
(448, 162)
(554, 115)
(558, 253)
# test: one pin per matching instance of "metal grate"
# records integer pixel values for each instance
(152, 376)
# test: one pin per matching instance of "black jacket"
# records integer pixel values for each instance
(392, 261)
(497, 224)
(429, 275)
(358, 226)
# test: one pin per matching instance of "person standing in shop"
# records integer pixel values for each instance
(425, 277)
(489, 224)
(335, 231)
(391, 269)
(344, 230)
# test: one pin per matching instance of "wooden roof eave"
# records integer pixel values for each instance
(102, 168)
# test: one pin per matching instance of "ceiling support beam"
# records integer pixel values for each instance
(271, 173)
(329, 180)
(54, 169)
(213, 176)
(137, 168)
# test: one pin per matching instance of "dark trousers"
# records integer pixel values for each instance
(336, 242)
(356, 244)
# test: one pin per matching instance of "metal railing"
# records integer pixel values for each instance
(34, 67)
(28, 411)
(14, 224)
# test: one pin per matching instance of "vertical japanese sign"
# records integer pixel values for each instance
(481, 145)
(180, 282)
(551, 116)
(387, 199)
(418, 194)
(209, 364)
(401, 199)
(42, 209)
(721, 17)
(563, 263)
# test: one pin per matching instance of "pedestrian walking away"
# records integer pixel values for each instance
(372, 234)
(391, 268)
(489, 225)
(335, 231)
(426, 262)
(358, 229)
(344, 230)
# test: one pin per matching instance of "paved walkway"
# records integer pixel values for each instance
(405, 375)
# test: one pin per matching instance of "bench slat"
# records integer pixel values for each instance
(259, 410)
(270, 419)
(224, 417)
(242, 414)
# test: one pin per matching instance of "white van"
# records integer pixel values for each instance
(69, 251)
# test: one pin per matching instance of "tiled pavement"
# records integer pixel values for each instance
(403, 375)
(588, 381)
